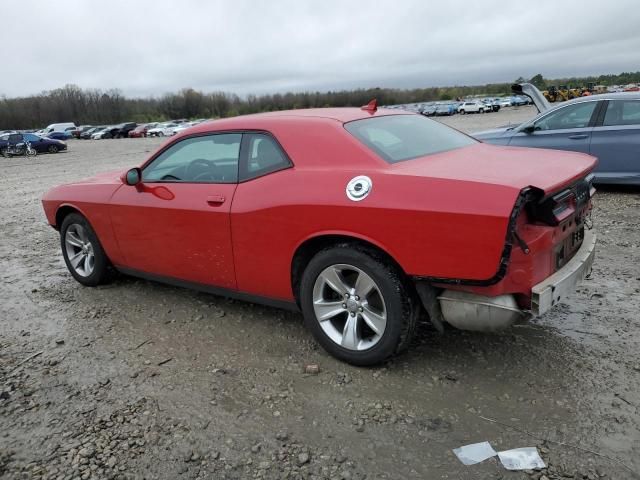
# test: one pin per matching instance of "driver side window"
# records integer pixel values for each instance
(572, 116)
(204, 159)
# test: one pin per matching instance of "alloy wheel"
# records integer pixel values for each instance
(349, 307)
(79, 249)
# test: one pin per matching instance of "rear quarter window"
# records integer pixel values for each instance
(396, 138)
(622, 112)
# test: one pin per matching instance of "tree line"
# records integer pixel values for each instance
(103, 107)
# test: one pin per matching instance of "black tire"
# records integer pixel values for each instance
(53, 149)
(102, 267)
(402, 307)
(462, 112)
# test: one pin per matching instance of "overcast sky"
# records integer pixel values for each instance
(146, 47)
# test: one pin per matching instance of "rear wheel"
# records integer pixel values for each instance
(358, 307)
(82, 251)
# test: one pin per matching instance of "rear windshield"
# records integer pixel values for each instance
(403, 137)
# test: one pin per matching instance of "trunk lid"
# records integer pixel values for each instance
(516, 167)
(533, 93)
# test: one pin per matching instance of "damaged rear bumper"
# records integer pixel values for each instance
(558, 286)
(470, 311)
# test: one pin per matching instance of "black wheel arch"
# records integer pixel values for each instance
(62, 213)
(310, 247)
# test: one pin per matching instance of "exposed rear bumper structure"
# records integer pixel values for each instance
(470, 311)
(553, 289)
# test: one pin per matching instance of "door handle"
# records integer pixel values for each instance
(215, 199)
(578, 136)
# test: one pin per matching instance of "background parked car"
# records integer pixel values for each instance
(57, 127)
(122, 130)
(493, 104)
(78, 131)
(444, 109)
(104, 132)
(428, 110)
(157, 130)
(472, 107)
(518, 101)
(606, 126)
(86, 135)
(65, 135)
(183, 126)
(163, 130)
(40, 144)
(138, 132)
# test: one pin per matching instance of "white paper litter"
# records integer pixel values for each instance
(521, 459)
(474, 453)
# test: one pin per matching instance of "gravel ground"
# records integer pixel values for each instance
(139, 380)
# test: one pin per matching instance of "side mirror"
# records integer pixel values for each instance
(529, 128)
(133, 177)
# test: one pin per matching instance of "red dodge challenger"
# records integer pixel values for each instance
(365, 219)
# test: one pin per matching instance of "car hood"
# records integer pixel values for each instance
(516, 167)
(112, 176)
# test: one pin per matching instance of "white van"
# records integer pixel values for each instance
(59, 127)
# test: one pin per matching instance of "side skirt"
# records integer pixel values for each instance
(221, 292)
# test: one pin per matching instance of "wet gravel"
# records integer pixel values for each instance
(137, 380)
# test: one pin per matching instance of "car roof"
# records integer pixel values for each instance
(343, 114)
(267, 120)
(604, 96)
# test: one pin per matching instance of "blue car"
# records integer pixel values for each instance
(40, 144)
(606, 126)
(59, 135)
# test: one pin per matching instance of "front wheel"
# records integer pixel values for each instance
(462, 112)
(82, 251)
(359, 307)
(53, 149)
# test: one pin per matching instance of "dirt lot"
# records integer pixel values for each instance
(139, 380)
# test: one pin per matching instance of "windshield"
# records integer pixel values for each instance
(403, 137)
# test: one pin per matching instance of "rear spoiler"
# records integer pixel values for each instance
(533, 93)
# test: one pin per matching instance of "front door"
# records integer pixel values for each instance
(176, 223)
(566, 128)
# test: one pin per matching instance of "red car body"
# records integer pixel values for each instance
(458, 219)
(138, 132)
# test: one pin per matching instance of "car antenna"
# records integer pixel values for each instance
(371, 107)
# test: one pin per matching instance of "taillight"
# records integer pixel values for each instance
(563, 206)
(555, 209)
